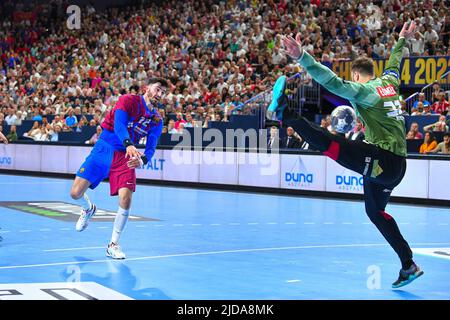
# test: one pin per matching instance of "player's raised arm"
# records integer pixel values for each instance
(393, 65)
(319, 72)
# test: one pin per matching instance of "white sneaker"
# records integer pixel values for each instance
(114, 251)
(84, 218)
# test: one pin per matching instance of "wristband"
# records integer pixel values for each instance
(144, 159)
(127, 143)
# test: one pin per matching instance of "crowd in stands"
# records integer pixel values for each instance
(216, 54)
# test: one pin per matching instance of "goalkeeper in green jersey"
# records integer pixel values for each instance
(381, 159)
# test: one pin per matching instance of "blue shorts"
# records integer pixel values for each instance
(97, 165)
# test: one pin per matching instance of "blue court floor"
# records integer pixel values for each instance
(201, 244)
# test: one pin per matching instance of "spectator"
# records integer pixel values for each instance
(274, 139)
(292, 140)
(71, 120)
(429, 143)
(444, 146)
(437, 90)
(11, 118)
(12, 135)
(441, 106)
(414, 129)
(54, 133)
(417, 44)
(421, 98)
(171, 127)
(95, 136)
(179, 120)
(34, 131)
(440, 125)
(357, 133)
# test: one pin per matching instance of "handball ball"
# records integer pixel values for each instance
(343, 119)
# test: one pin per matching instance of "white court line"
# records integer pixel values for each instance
(367, 223)
(25, 231)
(272, 222)
(215, 224)
(73, 249)
(328, 223)
(141, 226)
(45, 229)
(159, 225)
(309, 223)
(290, 223)
(177, 225)
(5, 231)
(31, 182)
(292, 281)
(252, 223)
(196, 224)
(347, 222)
(103, 227)
(443, 224)
(64, 229)
(216, 252)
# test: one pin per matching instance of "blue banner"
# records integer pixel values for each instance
(414, 71)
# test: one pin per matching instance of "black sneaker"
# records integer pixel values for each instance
(407, 276)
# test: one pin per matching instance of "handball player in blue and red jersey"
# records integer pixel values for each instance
(115, 156)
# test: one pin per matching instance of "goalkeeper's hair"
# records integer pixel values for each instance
(364, 66)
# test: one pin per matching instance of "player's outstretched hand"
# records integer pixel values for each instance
(408, 32)
(292, 47)
(3, 138)
(135, 162)
(132, 152)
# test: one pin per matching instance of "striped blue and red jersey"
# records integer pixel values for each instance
(131, 118)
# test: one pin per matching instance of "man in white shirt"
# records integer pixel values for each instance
(417, 44)
(11, 117)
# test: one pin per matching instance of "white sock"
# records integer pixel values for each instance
(119, 224)
(84, 202)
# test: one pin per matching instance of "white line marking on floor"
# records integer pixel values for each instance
(367, 223)
(292, 281)
(25, 231)
(73, 249)
(196, 224)
(45, 229)
(443, 224)
(272, 222)
(253, 223)
(103, 227)
(234, 224)
(347, 222)
(64, 229)
(309, 223)
(31, 182)
(215, 224)
(290, 223)
(141, 226)
(328, 223)
(190, 254)
(177, 225)
(5, 231)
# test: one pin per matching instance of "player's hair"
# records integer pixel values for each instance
(162, 81)
(364, 66)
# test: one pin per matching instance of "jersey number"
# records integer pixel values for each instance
(395, 109)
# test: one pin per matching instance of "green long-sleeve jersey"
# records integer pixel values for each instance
(376, 102)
